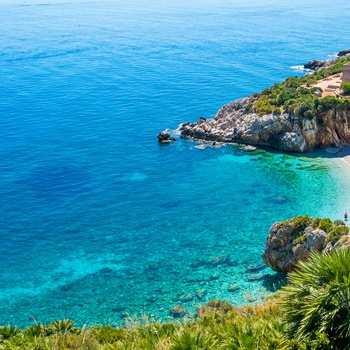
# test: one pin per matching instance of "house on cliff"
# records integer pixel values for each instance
(346, 73)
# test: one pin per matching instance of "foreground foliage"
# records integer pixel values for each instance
(317, 300)
(219, 327)
(311, 313)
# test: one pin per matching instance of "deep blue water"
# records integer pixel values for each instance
(98, 220)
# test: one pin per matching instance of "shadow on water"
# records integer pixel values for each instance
(57, 181)
(275, 282)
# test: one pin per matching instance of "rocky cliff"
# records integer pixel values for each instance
(238, 122)
(293, 240)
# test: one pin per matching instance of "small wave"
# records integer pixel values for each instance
(300, 69)
(333, 55)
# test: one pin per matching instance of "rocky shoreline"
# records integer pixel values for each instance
(240, 122)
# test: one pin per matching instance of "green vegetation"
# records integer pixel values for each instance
(295, 95)
(316, 303)
(335, 234)
(346, 88)
(334, 230)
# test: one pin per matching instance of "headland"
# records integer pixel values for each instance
(297, 115)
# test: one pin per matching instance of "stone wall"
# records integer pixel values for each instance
(346, 73)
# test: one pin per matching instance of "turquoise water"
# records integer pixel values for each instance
(98, 220)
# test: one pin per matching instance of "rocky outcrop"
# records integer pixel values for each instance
(316, 64)
(164, 137)
(343, 53)
(238, 122)
(293, 240)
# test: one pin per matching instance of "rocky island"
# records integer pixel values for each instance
(297, 115)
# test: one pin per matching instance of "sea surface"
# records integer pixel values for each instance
(98, 221)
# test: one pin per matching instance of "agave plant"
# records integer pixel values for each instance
(317, 300)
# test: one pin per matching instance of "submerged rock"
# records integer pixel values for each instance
(215, 306)
(178, 311)
(214, 277)
(233, 288)
(185, 298)
(255, 268)
(254, 278)
(200, 293)
(219, 260)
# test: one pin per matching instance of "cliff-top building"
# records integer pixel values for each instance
(346, 73)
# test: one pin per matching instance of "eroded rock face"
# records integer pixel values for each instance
(237, 122)
(279, 253)
(293, 240)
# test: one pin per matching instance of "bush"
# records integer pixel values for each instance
(301, 222)
(325, 225)
(334, 235)
(292, 82)
(327, 103)
(346, 88)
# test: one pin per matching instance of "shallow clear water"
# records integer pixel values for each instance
(98, 220)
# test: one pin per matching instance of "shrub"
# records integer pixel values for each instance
(300, 240)
(325, 225)
(190, 337)
(292, 82)
(346, 88)
(108, 334)
(215, 306)
(301, 222)
(334, 235)
(329, 102)
(265, 106)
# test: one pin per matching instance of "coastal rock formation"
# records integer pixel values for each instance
(238, 122)
(293, 240)
(343, 53)
(164, 137)
(316, 64)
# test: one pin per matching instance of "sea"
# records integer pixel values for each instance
(101, 224)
